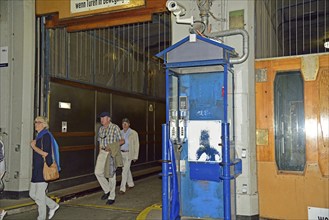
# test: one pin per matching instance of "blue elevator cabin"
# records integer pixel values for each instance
(199, 163)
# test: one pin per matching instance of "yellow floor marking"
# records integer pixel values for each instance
(55, 198)
(18, 206)
(105, 207)
(145, 212)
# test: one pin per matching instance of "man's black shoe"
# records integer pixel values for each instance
(105, 196)
(110, 202)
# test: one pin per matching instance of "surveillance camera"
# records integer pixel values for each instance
(172, 5)
(175, 8)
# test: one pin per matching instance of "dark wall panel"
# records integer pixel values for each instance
(76, 163)
(81, 115)
(77, 145)
(150, 133)
(103, 103)
(160, 118)
(135, 110)
(76, 152)
(131, 108)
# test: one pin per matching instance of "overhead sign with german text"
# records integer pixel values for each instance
(87, 5)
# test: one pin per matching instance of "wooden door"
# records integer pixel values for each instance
(292, 138)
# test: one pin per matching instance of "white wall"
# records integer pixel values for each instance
(247, 203)
(247, 199)
(17, 25)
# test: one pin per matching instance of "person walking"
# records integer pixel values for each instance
(108, 134)
(129, 151)
(42, 151)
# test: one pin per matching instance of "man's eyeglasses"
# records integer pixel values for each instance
(37, 122)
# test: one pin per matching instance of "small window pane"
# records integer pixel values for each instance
(289, 121)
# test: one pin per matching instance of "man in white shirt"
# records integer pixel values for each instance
(129, 151)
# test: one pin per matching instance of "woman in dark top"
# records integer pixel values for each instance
(42, 148)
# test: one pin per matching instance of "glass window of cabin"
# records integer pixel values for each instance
(289, 121)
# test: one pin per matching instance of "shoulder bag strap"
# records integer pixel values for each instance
(52, 150)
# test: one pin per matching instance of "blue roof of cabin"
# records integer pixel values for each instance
(200, 50)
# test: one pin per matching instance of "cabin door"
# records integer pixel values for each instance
(292, 132)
